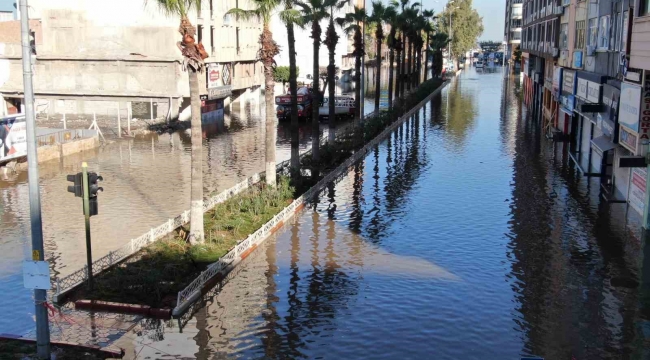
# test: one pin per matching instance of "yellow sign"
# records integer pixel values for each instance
(36, 255)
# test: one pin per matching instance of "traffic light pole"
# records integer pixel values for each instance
(40, 296)
(89, 253)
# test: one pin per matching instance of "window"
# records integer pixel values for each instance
(580, 34)
(200, 33)
(618, 32)
(564, 36)
(644, 7)
(603, 33)
(593, 32)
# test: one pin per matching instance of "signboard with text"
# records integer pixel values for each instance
(569, 82)
(13, 137)
(557, 81)
(637, 189)
(628, 139)
(629, 107)
(644, 125)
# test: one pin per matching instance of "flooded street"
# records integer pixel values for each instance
(463, 235)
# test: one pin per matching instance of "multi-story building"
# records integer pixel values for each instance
(540, 42)
(597, 73)
(513, 26)
(121, 56)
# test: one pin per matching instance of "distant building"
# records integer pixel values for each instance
(98, 57)
(512, 29)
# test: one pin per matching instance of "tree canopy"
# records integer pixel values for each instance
(466, 25)
(281, 73)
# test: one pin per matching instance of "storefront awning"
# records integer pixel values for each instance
(603, 143)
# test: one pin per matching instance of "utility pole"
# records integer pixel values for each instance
(40, 296)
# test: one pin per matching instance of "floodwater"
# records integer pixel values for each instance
(462, 236)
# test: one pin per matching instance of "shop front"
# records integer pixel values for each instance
(605, 146)
(629, 137)
(589, 134)
(218, 88)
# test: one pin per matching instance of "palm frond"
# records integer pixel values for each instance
(243, 14)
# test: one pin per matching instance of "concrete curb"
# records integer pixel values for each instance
(112, 352)
(123, 308)
(338, 171)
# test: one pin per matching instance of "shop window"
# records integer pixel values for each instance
(644, 7)
(564, 36)
(603, 33)
(593, 32)
(580, 34)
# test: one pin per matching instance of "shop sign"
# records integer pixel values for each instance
(644, 127)
(557, 81)
(213, 76)
(569, 82)
(588, 90)
(220, 92)
(628, 139)
(629, 107)
(568, 102)
(577, 59)
(13, 137)
(638, 189)
(634, 75)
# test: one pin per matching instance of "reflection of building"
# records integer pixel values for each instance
(92, 56)
(512, 32)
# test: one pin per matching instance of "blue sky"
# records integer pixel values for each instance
(492, 11)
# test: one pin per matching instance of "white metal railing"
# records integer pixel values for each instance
(191, 293)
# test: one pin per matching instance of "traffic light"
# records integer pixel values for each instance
(93, 189)
(77, 189)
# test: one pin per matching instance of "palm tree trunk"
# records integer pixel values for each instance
(400, 79)
(293, 88)
(426, 58)
(418, 72)
(331, 40)
(357, 74)
(196, 207)
(315, 126)
(378, 71)
(398, 91)
(391, 58)
(270, 134)
(409, 66)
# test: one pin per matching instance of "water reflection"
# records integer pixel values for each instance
(474, 238)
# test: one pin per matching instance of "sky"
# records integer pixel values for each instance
(493, 13)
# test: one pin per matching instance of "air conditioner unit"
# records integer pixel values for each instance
(563, 54)
(556, 52)
(227, 20)
(558, 10)
(591, 50)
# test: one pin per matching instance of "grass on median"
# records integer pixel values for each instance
(156, 273)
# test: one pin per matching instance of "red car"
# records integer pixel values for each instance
(305, 103)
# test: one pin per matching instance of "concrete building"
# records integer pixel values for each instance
(121, 56)
(513, 26)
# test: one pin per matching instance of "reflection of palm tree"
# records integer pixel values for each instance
(272, 338)
(356, 215)
(376, 227)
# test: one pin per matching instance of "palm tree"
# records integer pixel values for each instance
(380, 14)
(352, 23)
(393, 42)
(193, 57)
(263, 10)
(312, 12)
(428, 29)
(331, 39)
(290, 16)
(438, 42)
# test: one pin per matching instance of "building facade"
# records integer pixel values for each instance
(585, 66)
(513, 26)
(121, 56)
